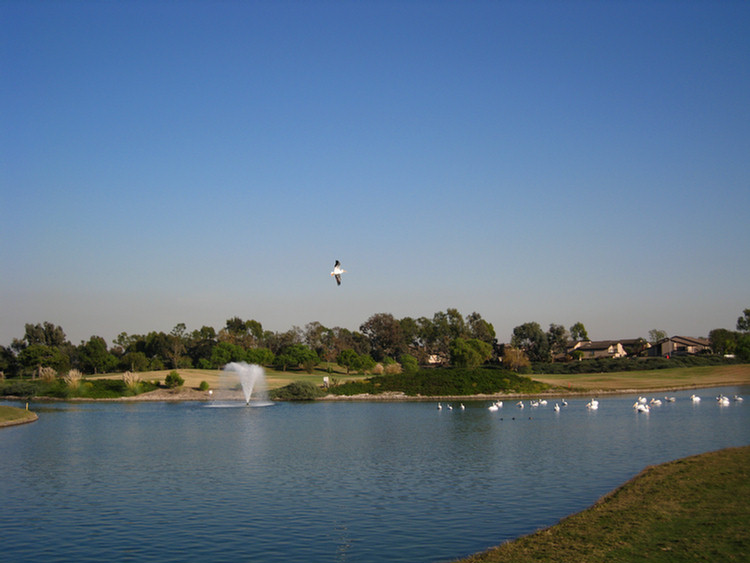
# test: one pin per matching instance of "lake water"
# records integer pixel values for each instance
(320, 482)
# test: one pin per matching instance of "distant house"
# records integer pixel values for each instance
(592, 349)
(680, 346)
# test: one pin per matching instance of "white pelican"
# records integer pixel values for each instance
(534, 403)
(738, 398)
(669, 399)
(337, 271)
(520, 404)
(655, 402)
(450, 407)
(593, 404)
(564, 402)
(543, 402)
(499, 404)
(642, 407)
(440, 407)
(723, 401)
(493, 407)
(642, 400)
(463, 408)
(556, 407)
(695, 398)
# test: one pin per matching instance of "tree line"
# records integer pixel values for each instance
(448, 338)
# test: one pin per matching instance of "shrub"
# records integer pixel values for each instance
(203, 386)
(173, 380)
(393, 369)
(132, 382)
(297, 391)
(73, 379)
(47, 374)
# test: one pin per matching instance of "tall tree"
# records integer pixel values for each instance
(45, 333)
(722, 341)
(530, 338)
(743, 322)
(557, 337)
(578, 332)
(469, 353)
(480, 329)
(94, 357)
(384, 333)
(655, 334)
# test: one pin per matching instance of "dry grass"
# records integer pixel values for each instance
(704, 376)
(216, 378)
(73, 379)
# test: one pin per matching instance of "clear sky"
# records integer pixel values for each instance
(188, 162)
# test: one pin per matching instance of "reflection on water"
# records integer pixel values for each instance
(362, 482)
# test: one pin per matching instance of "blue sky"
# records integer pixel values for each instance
(188, 162)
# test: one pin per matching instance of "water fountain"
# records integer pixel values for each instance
(252, 378)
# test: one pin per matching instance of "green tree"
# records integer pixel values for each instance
(296, 355)
(384, 333)
(94, 357)
(557, 337)
(469, 353)
(578, 332)
(743, 322)
(347, 359)
(133, 361)
(723, 341)
(409, 364)
(226, 352)
(364, 363)
(480, 329)
(37, 356)
(45, 333)
(173, 380)
(655, 334)
(743, 347)
(530, 338)
(260, 356)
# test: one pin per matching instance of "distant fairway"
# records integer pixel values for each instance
(673, 378)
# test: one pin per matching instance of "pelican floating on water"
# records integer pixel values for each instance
(593, 404)
(695, 398)
(337, 271)
(556, 407)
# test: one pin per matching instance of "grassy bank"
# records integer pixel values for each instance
(693, 509)
(11, 415)
(673, 378)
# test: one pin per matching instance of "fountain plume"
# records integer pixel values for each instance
(252, 378)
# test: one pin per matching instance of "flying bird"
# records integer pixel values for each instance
(337, 271)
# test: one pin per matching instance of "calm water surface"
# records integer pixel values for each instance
(359, 482)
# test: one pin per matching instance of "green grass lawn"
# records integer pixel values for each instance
(13, 415)
(693, 509)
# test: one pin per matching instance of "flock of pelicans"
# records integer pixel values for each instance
(641, 405)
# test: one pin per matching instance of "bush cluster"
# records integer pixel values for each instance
(297, 391)
(94, 389)
(444, 381)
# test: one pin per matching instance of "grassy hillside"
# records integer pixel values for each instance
(693, 509)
